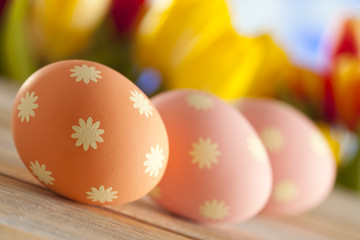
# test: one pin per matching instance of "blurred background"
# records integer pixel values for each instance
(304, 52)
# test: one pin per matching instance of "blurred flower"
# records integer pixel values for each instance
(63, 27)
(302, 32)
(16, 58)
(149, 81)
(346, 41)
(274, 70)
(332, 141)
(171, 30)
(234, 66)
(346, 87)
(2, 4)
(226, 68)
(345, 147)
(343, 78)
(305, 89)
(342, 142)
(349, 170)
(345, 74)
(124, 13)
(203, 50)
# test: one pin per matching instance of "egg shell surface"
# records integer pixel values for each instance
(218, 169)
(88, 133)
(302, 162)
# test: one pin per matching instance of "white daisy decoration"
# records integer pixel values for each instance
(272, 138)
(87, 134)
(285, 191)
(41, 173)
(155, 193)
(205, 153)
(318, 144)
(199, 101)
(102, 195)
(85, 73)
(27, 106)
(154, 161)
(214, 210)
(141, 103)
(256, 148)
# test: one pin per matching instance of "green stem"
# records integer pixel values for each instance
(349, 175)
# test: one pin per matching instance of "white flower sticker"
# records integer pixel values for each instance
(88, 134)
(27, 106)
(318, 144)
(141, 103)
(205, 153)
(154, 161)
(155, 193)
(272, 138)
(199, 101)
(41, 173)
(85, 73)
(256, 148)
(214, 210)
(102, 195)
(285, 191)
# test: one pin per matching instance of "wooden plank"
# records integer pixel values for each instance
(309, 226)
(143, 210)
(7, 95)
(147, 211)
(38, 211)
(15, 234)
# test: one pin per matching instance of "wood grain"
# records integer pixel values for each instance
(16, 234)
(29, 211)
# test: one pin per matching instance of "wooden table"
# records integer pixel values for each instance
(29, 211)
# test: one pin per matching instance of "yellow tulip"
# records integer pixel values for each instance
(226, 68)
(194, 45)
(63, 27)
(346, 86)
(305, 89)
(343, 142)
(345, 73)
(169, 32)
(333, 138)
(234, 66)
(274, 71)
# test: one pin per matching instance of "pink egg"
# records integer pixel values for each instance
(302, 162)
(218, 169)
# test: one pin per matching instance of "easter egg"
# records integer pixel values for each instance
(218, 169)
(302, 162)
(88, 133)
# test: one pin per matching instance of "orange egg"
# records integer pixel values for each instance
(88, 133)
(218, 168)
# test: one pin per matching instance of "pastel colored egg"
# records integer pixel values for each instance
(218, 169)
(302, 162)
(88, 133)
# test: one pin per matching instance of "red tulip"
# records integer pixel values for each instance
(346, 43)
(2, 4)
(344, 74)
(124, 13)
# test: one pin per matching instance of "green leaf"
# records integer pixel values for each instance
(15, 58)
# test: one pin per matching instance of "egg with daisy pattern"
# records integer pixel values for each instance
(218, 169)
(86, 132)
(302, 162)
